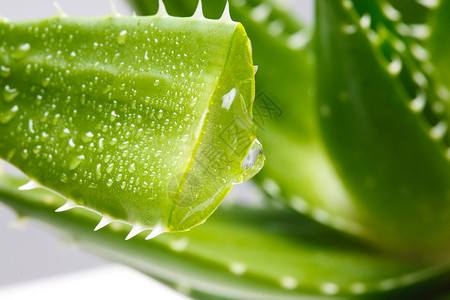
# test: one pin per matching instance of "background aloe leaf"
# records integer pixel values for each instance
(231, 257)
(439, 45)
(382, 150)
(126, 114)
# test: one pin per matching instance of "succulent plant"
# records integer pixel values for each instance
(352, 113)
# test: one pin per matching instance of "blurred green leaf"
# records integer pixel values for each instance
(240, 253)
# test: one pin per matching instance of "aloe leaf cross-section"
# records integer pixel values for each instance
(145, 120)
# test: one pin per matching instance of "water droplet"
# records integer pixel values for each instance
(110, 168)
(45, 82)
(156, 83)
(7, 116)
(254, 161)
(9, 94)
(21, 51)
(37, 149)
(98, 171)
(76, 161)
(132, 168)
(87, 137)
(228, 99)
(64, 178)
(24, 154)
(122, 38)
(5, 71)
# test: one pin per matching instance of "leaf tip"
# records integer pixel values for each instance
(226, 17)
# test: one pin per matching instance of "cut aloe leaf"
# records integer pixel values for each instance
(298, 168)
(241, 253)
(146, 120)
(386, 154)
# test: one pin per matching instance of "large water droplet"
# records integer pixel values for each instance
(254, 161)
(7, 116)
(9, 94)
(75, 162)
(228, 99)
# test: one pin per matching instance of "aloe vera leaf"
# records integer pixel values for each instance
(405, 48)
(144, 120)
(413, 12)
(239, 253)
(439, 45)
(382, 150)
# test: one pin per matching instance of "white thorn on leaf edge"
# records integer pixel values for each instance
(103, 222)
(59, 10)
(69, 205)
(156, 231)
(113, 12)
(162, 9)
(226, 17)
(198, 14)
(134, 231)
(29, 185)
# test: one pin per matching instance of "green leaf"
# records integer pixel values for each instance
(439, 46)
(146, 120)
(240, 253)
(386, 154)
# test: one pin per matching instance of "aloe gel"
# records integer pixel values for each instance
(145, 120)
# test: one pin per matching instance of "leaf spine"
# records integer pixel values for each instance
(198, 14)
(68, 205)
(134, 231)
(226, 17)
(105, 220)
(59, 11)
(30, 185)
(156, 231)
(162, 9)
